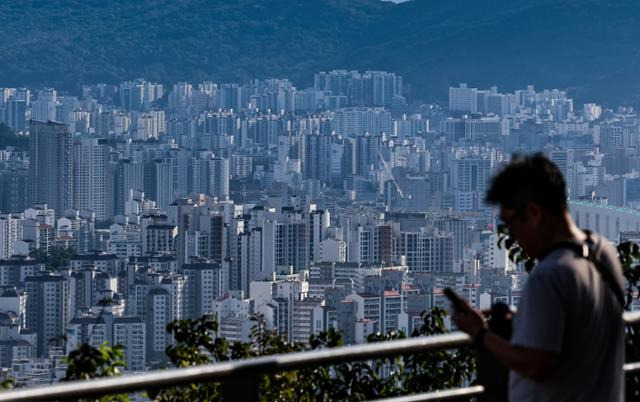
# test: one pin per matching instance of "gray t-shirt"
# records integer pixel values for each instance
(567, 308)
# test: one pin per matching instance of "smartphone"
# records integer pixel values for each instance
(453, 297)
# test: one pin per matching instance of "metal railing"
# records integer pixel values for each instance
(242, 370)
(446, 394)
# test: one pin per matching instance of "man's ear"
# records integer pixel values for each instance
(534, 212)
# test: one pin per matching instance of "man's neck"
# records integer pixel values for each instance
(563, 229)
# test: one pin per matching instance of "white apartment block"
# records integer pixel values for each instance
(463, 99)
(10, 233)
(130, 333)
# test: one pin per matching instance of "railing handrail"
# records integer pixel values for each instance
(631, 317)
(441, 395)
(263, 364)
(218, 371)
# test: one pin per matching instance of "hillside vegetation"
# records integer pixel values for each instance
(588, 47)
(9, 138)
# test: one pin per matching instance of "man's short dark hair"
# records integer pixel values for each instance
(529, 178)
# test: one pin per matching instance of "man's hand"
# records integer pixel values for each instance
(469, 320)
(532, 363)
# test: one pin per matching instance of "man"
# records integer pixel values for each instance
(568, 332)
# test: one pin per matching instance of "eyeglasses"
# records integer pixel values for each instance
(508, 222)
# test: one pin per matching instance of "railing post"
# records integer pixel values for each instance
(492, 374)
(243, 386)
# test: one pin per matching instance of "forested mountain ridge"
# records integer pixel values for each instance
(588, 47)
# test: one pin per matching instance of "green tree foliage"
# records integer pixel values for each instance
(56, 258)
(7, 384)
(440, 369)
(196, 344)
(516, 253)
(86, 362)
(9, 139)
(629, 254)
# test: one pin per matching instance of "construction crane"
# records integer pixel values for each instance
(393, 179)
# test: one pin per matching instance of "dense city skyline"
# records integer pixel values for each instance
(340, 205)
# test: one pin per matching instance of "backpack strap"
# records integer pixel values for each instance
(605, 273)
(585, 250)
